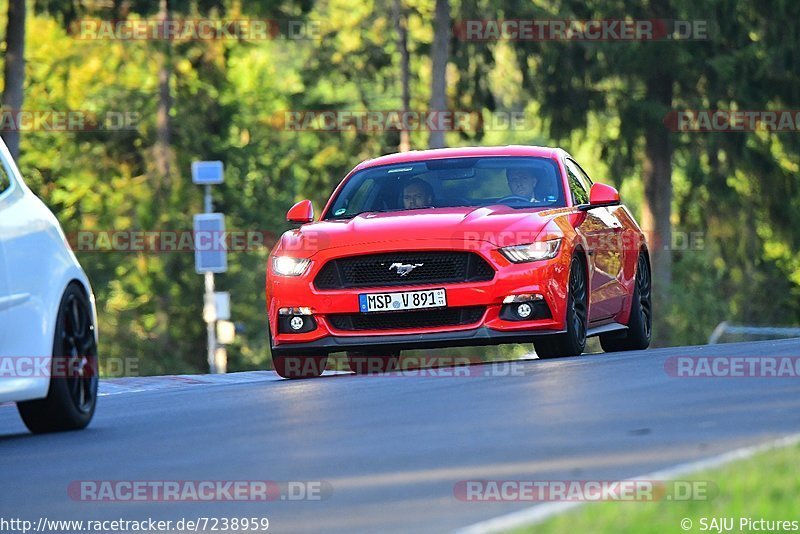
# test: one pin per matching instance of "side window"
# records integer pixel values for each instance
(5, 181)
(358, 199)
(582, 176)
(580, 193)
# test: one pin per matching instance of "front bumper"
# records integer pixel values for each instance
(546, 278)
(459, 338)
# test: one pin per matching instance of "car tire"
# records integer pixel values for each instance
(72, 398)
(299, 366)
(366, 363)
(637, 337)
(573, 341)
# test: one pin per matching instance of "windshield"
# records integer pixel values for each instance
(518, 182)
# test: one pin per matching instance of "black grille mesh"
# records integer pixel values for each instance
(437, 267)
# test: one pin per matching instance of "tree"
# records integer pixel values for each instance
(14, 70)
(162, 150)
(400, 22)
(632, 82)
(657, 171)
(227, 98)
(440, 54)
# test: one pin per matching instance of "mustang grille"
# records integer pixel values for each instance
(407, 319)
(373, 270)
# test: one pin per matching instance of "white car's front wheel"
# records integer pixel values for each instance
(72, 397)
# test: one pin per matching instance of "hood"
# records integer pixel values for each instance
(500, 225)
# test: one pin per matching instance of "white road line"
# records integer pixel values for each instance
(540, 513)
(116, 386)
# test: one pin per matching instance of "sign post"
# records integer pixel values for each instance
(210, 256)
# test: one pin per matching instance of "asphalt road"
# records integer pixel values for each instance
(393, 447)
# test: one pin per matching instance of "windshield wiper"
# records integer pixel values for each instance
(353, 215)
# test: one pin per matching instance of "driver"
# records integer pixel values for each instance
(417, 194)
(522, 182)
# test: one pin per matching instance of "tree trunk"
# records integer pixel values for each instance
(657, 207)
(161, 150)
(439, 56)
(402, 44)
(14, 71)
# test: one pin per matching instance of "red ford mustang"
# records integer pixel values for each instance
(454, 247)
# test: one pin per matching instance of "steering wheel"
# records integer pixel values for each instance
(510, 198)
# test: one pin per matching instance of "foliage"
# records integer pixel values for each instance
(739, 190)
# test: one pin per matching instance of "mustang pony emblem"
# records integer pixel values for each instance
(405, 268)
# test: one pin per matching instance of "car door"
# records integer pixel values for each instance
(30, 269)
(30, 245)
(602, 231)
(5, 293)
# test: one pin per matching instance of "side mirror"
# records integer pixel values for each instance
(302, 212)
(601, 195)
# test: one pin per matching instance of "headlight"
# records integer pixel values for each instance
(288, 266)
(541, 250)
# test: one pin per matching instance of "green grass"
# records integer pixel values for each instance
(766, 486)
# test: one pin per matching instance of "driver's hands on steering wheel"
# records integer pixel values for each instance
(515, 197)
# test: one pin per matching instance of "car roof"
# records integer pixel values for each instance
(441, 153)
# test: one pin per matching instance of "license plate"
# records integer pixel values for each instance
(402, 300)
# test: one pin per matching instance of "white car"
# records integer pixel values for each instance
(48, 340)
